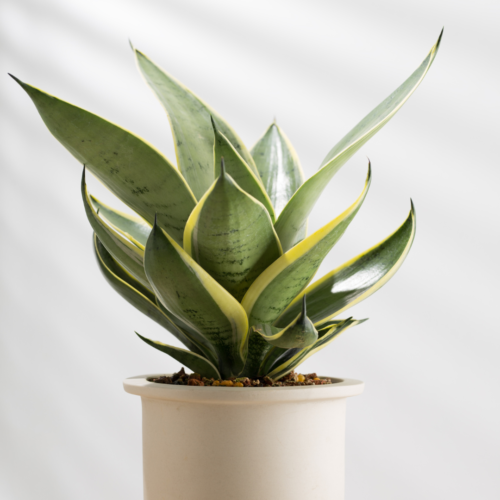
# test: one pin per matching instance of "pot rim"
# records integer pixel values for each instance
(342, 388)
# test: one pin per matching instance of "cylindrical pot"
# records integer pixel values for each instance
(248, 443)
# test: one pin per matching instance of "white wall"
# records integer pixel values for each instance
(427, 425)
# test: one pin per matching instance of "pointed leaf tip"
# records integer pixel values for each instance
(439, 38)
(16, 79)
(133, 49)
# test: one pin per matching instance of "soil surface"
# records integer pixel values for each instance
(182, 378)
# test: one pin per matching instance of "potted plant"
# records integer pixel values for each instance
(219, 255)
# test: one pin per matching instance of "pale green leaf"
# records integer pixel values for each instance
(239, 170)
(191, 127)
(231, 236)
(292, 220)
(131, 226)
(131, 168)
(278, 166)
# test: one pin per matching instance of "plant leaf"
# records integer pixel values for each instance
(129, 253)
(143, 299)
(281, 282)
(299, 333)
(272, 292)
(134, 227)
(239, 170)
(193, 361)
(231, 236)
(191, 294)
(292, 220)
(278, 166)
(277, 356)
(131, 168)
(287, 365)
(356, 279)
(189, 119)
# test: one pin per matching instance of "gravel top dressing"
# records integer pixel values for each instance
(182, 378)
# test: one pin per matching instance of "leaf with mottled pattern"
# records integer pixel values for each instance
(189, 119)
(191, 294)
(130, 167)
(278, 166)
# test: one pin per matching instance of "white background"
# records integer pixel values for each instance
(427, 424)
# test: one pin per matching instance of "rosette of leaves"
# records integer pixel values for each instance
(218, 252)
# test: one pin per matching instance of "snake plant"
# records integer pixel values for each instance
(218, 251)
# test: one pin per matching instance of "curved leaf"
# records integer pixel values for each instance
(193, 361)
(278, 166)
(281, 282)
(129, 253)
(287, 365)
(272, 292)
(357, 279)
(143, 300)
(132, 227)
(291, 222)
(189, 119)
(191, 294)
(231, 236)
(277, 356)
(131, 168)
(298, 334)
(239, 170)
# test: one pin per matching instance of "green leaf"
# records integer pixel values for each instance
(281, 282)
(144, 300)
(272, 292)
(231, 236)
(277, 356)
(131, 168)
(357, 279)
(292, 221)
(131, 226)
(278, 166)
(191, 127)
(239, 170)
(287, 365)
(129, 253)
(193, 361)
(191, 294)
(298, 334)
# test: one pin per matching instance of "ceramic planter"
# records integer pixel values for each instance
(221, 443)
